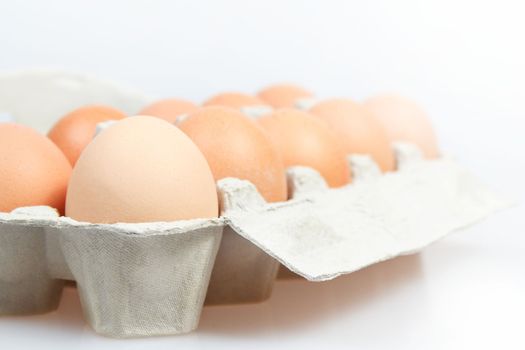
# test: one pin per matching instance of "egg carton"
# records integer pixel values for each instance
(151, 278)
(39, 97)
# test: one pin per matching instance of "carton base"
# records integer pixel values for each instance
(25, 284)
(285, 274)
(243, 273)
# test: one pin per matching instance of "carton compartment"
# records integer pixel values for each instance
(243, 273)
(133, 280)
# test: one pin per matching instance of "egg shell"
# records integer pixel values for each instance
(283, 95)
(405, 121)
(169, 109)
(358, 130)
(74, 132)
(141, 169)
(235, 100)
(235, 146)
(305, 140)
(33, 171)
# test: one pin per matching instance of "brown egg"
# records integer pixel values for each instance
(234, 100)
(33, 171)
(169, 109)
(404, 121)
(303, 139)
(74, 131)
(283, 95)
(235, 146)
(357, 129)
(141, 169)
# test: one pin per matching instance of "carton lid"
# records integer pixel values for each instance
(322, 233)
(39, 97)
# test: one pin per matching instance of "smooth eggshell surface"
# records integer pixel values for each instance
(141, 169)
(358, 130)
(404, 121)
(74, 131)
(283, 95)
(234, 100)
(304, 140)
(169, 109)
(235, 146)
(33, 171)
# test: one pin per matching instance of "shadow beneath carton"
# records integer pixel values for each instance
(67, 317)
(295, 305)
(298, 304)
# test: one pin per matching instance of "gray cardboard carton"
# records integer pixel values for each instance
(133, 280)
(152, 278)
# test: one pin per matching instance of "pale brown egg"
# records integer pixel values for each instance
(141, 169)
(357, 129)
(235, 100)
(169, 109)
(303, 139)
(74, 131)
(235, 146)
(33, 171)
(406, 121)
(283, 95)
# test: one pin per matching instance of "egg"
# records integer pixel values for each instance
(33, 171)
(169, 109)
(235, 146)
(283, 95)
(357, 129)
(404, 121)
(304, 140)
(74, 131)
(141, 169)
(234, 100)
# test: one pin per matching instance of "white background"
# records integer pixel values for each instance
(464, 61)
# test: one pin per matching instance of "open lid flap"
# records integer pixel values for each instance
(337, 231)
